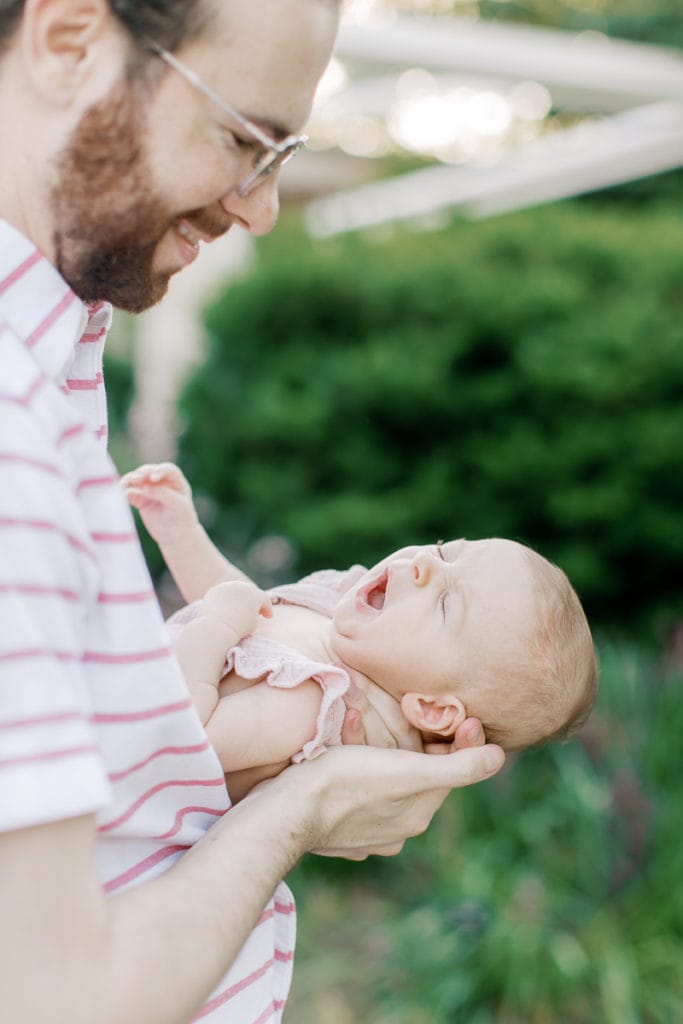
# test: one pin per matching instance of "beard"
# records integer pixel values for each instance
(108, 221)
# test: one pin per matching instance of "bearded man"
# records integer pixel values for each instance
(133, 132)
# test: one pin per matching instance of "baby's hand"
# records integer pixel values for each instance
(163, 497)
(238, 604)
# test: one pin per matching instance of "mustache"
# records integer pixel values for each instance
(209, 222)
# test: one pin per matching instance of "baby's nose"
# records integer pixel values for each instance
(424, 565)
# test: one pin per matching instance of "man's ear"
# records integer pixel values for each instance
(57, 39)
(440, 715)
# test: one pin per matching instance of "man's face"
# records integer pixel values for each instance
(152, 171)
(426, 617)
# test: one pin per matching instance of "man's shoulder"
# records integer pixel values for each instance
(34, 417)
(18, 369)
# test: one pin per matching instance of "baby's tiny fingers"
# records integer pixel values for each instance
(134, 496)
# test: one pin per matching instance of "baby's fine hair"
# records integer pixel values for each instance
(548, 691)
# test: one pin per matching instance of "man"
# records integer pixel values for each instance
(133, 131)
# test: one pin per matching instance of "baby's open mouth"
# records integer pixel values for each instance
(373, 594)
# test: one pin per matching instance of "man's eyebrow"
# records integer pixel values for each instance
(276, 129)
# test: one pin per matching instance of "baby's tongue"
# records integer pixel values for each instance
(376, 597)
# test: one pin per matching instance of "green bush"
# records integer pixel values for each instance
(520, 377)
(549, 895)
(120, 378)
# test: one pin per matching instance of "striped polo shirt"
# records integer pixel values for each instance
(94, 713)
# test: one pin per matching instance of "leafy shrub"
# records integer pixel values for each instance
(550, 894)
(519, 377)
(120, 378)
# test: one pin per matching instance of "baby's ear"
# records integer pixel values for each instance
(440, 714)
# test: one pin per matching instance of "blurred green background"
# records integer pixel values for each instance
(522, 377)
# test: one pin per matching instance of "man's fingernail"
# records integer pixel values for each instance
(476, 734)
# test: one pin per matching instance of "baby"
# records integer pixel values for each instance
(484, 628)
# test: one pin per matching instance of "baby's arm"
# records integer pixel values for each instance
(227, 613)
(263, 726)
(163, 497)
(260, 725)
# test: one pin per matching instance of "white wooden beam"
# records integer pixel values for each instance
(589, 156)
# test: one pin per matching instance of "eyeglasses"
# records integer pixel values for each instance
(266, 160)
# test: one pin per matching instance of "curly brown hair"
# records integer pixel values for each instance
(169, 22)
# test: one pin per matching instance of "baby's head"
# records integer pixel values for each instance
(483, 628)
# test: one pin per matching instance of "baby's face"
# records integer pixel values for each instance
(426, 616)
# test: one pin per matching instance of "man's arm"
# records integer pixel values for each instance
(152, 954)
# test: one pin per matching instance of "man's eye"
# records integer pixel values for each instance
(235, 141)
(258, 158)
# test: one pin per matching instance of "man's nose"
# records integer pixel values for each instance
(257, 212)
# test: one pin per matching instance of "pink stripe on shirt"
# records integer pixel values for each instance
(28, 396)
(144, 595)
(182, 814)
(39, 590)
(52, 318)
(126, 658)
(59, 717)
(70, 432)
(168, 784)
(48, 755)
(87, 384)
(267, 1014)
(142, 866)
(114, 538)
(48, 525)
(19, 271)
(25, 654)
(234, 990)
(140, 716)
(163, 751)
(25, 460)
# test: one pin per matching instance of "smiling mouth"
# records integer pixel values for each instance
(373, 595)
(191, 237)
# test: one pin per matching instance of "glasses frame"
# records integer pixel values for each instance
(277, 153)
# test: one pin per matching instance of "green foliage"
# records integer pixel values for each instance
(519, 377)
(120, 378)
(550, 895)
(659, 22)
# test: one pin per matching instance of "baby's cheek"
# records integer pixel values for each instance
(341, 620)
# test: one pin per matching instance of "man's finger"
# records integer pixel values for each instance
(353, 733)
(469, 733)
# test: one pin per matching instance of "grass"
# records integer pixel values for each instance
(550, 895)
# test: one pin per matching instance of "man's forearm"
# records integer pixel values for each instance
(153, 954)
(206, 906)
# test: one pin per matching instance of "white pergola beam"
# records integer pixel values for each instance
(584, 72)
(589, 156)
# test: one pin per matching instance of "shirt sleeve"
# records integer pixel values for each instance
(50, 764)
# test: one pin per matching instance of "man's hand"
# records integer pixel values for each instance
(374, 718)
(369, 801)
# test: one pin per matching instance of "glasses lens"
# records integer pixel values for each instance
(270, 161)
